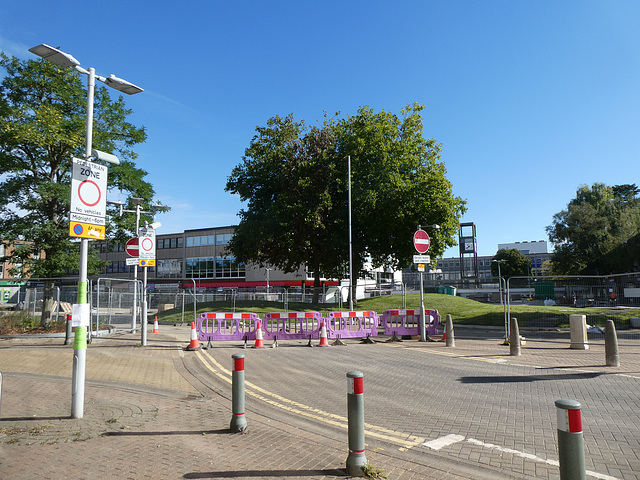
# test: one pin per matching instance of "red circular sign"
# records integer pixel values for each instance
(131, 247)
(147, 244)
(89, 193)
(421, 241)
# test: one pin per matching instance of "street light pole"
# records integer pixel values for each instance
(80, 340)
(506, 320)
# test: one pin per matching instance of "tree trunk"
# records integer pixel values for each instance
(47, 303)
(316, 286)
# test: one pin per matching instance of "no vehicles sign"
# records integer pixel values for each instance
(88, 193)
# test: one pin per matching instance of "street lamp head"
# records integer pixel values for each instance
(136, 200)
(107, 157)
(54, 55)
(160, 208)
(122, 85)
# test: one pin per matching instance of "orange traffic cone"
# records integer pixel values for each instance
(259, 343)
(324, 341)
(155, 325)
(444, 336)
(194, 344)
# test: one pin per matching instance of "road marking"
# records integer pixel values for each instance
(399, 438)
(445, 441)
(535, 458)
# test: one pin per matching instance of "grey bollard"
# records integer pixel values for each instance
(514, 338)
(0, 392)
(238, 418)
(355, 416)
(570, 440)
(611, 345)
(69, 332)
(448, 330)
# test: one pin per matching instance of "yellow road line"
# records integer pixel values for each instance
(404, 440)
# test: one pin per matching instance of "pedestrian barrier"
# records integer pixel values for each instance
(227, 326)
(291, 325)
(407, 322)
(354, 324)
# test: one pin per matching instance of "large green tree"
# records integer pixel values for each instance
(42, 125)
(294, 179)
(512, 263)
(600, 220)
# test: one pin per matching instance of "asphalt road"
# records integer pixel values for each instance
(481, 410)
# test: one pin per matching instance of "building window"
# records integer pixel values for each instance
(223, 238)
(227, 267)
(200, 241)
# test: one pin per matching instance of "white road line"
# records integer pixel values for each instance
(445, 441)
(535, 458)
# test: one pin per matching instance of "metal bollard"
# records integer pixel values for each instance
(68, 337)
(448, 330)
(0, 392)
(355, 416)
(570, 440)
(611, 356)
(238, 419)
(514, 338)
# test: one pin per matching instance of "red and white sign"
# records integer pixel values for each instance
(131, 247)
(421, 241)
(147, 244)
(88, 192)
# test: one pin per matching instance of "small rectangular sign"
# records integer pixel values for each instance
(147, 263)
(421, 259)
(80, 315)
(132, 261)
(87, 230)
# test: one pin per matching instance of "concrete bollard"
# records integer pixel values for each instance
(570, 440)
(514, 338)
(238, 418)
(611, 356)
(355, 416)
(448, 330)
(578, 328)
(69, 334)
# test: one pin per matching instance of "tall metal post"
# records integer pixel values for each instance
(423, 321)
(238, 418)
(350, 239)
(80, 339)
(143, 319)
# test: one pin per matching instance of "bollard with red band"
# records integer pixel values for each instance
(570, 440)
(355, 416)
(68, 340)
(238, 418)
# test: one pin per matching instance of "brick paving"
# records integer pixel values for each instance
(160, 412)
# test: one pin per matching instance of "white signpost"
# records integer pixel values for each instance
(422, 243)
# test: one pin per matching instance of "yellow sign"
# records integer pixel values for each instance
(147, 263)
(87, 230)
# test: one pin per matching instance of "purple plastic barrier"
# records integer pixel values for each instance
(352, 324)
(227, 326)
(407, 322)
(291, 325)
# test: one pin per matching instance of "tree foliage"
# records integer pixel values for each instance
(512, 261)
(601, 220)
(294, 180)
(42, 125)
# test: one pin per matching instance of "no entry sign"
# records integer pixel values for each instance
(131, 247)
(421, 241)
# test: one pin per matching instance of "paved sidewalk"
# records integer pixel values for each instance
(147, 415)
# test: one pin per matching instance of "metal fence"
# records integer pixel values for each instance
(600, 298)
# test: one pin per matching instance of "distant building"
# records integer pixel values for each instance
(536, 251)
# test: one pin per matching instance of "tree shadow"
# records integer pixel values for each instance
(267, 473)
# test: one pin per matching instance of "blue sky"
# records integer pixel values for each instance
(529, 99)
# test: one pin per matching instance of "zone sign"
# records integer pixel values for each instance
(88, 192)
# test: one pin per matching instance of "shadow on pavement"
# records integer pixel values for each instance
(267, 473)
(175, 432)
(529, 378)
